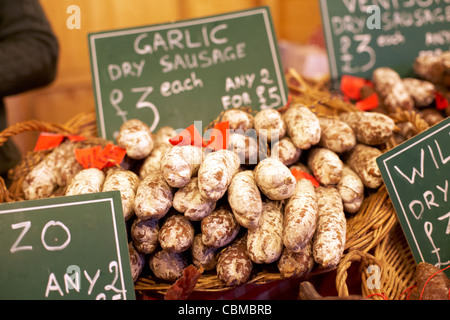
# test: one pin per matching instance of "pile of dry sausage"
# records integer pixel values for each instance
(226, 211)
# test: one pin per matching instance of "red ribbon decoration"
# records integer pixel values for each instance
(441, 101)
(48, 140)
(86, 157)
(351, 88)
(99, 158)
(369, 103)
(219, 136)
(298, 174)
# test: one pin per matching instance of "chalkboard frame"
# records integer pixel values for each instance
(264, 11)
(394, 44)
(38, 211)
(414, 236)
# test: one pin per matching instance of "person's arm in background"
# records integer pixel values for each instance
(28, 47)
(28, 60)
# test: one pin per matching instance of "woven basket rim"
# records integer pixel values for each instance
(82, 124)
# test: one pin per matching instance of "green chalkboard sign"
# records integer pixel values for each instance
(184, 72)
(72, 247)
(363, 35)
(417, 177)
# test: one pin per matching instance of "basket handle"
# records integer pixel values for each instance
(308, 292)
(366, 260)
(32, 125)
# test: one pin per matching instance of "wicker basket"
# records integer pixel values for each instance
(83, 124)
(373, 235)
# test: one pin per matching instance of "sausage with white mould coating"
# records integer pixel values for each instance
(66, 169)
(238, 119)
(145, 235)
(86, 181)
(168, 266)
(234, 266)
(136, 138)
(202, 255)
(245, 200)
(391, 90)
(325, 165)
(245, 146)
(219, 228)
(153, 197)
(351, 190)
(179, 164)
(300, 216)
(215, 173)
(126, 182)
(161, 146)
(422, 92)
(176, 233)
(274, 179)
(153, 161)
(298, 264)
(269, 125)
(362, 160)
(47, 175)
(336, 135)
(303, 126)
(137, 261)
(286, 151)
(330, 236)
(189, 201)
(265, 242)
(163, 135)
(370, 128)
